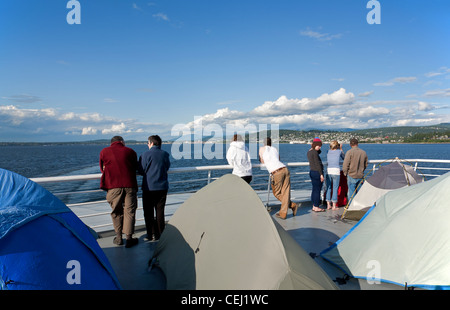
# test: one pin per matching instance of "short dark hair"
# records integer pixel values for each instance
(316, 143)
(156, 140)
(116, 139)
(268, 141)
(353, 141)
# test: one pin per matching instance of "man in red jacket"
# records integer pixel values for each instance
(118, 164)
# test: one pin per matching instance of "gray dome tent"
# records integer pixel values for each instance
(223, 238)
(385, 179)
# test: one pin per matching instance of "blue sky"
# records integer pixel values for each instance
(139, 67)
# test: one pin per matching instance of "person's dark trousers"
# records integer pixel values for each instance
(316, 187)
(154, 202)
(247, 178)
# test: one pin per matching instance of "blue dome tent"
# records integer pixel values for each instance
(44, 245)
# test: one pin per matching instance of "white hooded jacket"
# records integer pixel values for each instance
(239, 158)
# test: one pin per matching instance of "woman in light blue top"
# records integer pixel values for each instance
(334, 156)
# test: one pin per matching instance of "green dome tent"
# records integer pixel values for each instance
(406, 237)
(223, 238)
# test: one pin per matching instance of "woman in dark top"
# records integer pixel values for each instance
(315, 173)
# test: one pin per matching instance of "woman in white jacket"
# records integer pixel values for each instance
(239, 158)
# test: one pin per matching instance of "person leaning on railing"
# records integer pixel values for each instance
(238, 157)
(280, 178)
(118, 165)
(355, 162)
(154, 165)
(315, 173)
(334, 156)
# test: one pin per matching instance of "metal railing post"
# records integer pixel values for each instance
(209, 176)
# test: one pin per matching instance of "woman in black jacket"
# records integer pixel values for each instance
(316, 173)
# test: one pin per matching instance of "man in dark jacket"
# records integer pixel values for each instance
(118, 164)
(153, 165)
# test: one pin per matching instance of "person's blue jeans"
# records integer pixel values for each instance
(352, 186)
(332, 186)
(316, 187)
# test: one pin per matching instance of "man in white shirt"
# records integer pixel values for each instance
(280, 176)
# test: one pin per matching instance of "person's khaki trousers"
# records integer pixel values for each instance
(281, 188)
(123, 202)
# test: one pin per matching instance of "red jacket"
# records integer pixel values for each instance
(118, 164)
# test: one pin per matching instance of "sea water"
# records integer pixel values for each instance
(34, 161)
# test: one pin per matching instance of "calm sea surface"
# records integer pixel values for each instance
(58, 160)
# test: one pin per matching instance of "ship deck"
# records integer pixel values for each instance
(314, 231)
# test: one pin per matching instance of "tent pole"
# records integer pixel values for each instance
(268, 192)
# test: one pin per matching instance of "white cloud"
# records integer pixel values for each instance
(23, 98)
(89, 131)
(115, 129)
(55, 124)
(404, 80)
(433, 74)
(220, 116)
(338, 109)
(110, 100)
(441, 71)
(367, 112)
(136, 7)
(319, 35)
(401, 80)
(438, 93)
(85, 117)
(68, 116)
(322, 111)
(17, 115)
(365, 94)
(283, 105)
(415, 121)
(384, 84)
(424, 106)
(334, 110)
(161, 16)
(299, 119)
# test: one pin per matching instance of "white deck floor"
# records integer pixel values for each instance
(102, 223)
(313, 231)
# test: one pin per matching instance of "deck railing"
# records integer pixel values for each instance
(428, 168)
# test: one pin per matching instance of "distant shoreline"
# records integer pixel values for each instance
(145, 142)
(106, 142)
(434, 134)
